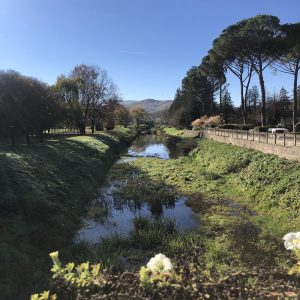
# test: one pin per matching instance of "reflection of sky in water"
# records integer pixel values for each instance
(156, 150)
(148, 146)
(120, 221)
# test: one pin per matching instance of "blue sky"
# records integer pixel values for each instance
(145, 45)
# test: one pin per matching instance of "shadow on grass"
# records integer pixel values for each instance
(44, 192)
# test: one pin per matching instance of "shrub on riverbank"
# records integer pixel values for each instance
(44, 189)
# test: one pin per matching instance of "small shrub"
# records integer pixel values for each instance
(213, 121)
(199, 123)
(246, 127)
(141, 223)
(297, 127)
(261, 128)
(149, 232)
(230, 126)
(206, 121)
(211, 175)
(237, 126)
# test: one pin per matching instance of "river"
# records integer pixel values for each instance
(109, 213)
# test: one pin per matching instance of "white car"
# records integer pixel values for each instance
(278, 130)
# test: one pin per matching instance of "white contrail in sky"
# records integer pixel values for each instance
(131, 52)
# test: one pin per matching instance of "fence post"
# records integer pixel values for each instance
(267, 137)
(259, 136)
(275, 138)
(283, 139)
(247, 135)
(253, 135)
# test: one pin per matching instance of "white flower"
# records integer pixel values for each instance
(292, 241)
(160, 263)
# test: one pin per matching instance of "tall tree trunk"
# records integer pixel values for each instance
(254, 109)
(211, 104)
(295, 106)
(137, 120)
(93, 125)
(263, 96)
(246, 96)
(40, 135)
(82, 128)
(220, 98)
(242, 100)
(84, 118)
(27, 136)
(12, 135)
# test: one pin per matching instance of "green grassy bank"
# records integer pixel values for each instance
(245, 200)
(44, 189)
(262, 181)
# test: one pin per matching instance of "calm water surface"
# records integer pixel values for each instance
(110, 215)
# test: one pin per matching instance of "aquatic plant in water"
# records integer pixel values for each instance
(292, 242)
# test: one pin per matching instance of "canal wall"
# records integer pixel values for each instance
(285, 150)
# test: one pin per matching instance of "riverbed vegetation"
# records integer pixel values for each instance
(244, 205)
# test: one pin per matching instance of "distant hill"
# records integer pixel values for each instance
(151, 106)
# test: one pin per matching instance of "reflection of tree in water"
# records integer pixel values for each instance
(119, 203)
(171, 143)
(139, 192)
(143, 141)
(177, 146)
(156, 208)
(100, 211)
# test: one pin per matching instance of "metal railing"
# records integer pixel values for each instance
(283, 139)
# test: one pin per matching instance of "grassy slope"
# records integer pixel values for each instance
(175, 132)
(264, 183)
(44, 189)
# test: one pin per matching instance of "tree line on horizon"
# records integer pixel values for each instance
(86, 97)
(245, 49)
